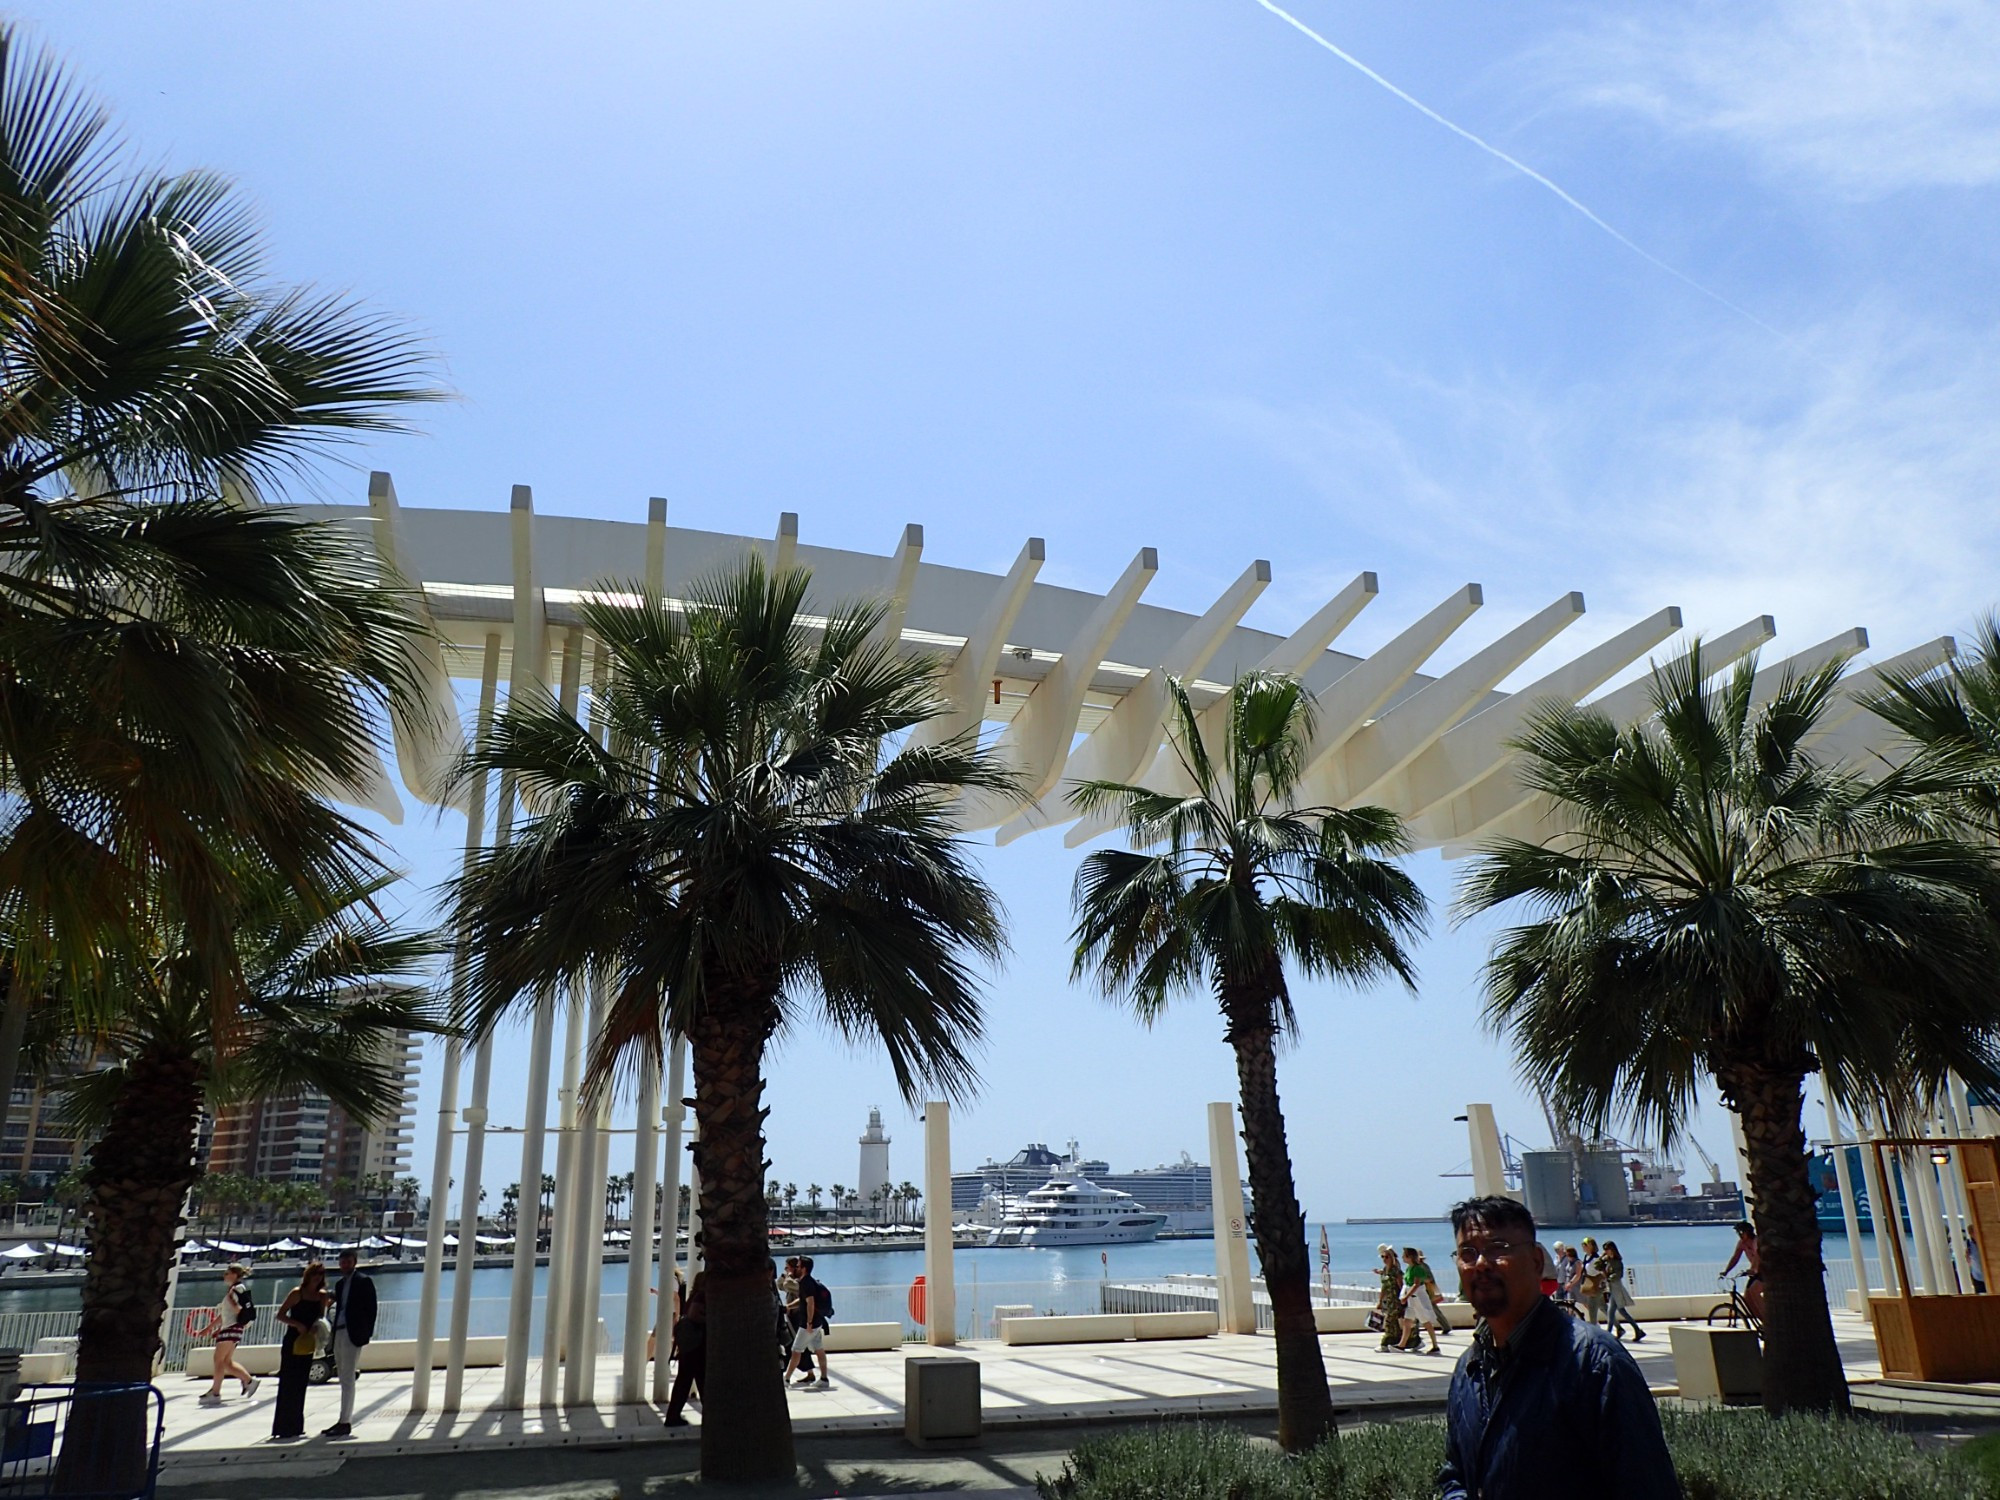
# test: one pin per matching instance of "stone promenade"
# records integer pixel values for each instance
(1022, 1387)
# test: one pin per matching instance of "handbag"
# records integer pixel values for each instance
(305, 1345)
(1377, 1322)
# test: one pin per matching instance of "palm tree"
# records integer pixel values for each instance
(328, 982)
(791, 1202)
(839, 1201)
(910, 1194)
(1227, 885)
(813, 1195)
(178, 665)
(1956, 712)
(750, 840)
(1715, 899)
(510, 1205)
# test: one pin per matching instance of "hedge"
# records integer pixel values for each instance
(1720, 1455)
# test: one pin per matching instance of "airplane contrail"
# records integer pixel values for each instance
(1518, 165)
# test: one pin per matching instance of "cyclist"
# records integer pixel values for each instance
(1753, 1281)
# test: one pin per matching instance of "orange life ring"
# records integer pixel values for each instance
(200, 1320)
(917, 1302)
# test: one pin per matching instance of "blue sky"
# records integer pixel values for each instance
(1166, 273)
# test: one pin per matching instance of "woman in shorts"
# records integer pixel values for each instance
(232, 1318)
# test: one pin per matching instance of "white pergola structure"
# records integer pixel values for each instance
(1077, 682)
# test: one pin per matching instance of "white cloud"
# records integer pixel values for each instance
(1864, 496)
(1866, 96)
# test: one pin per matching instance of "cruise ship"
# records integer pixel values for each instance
(1072, 1210)
(1179, 1190)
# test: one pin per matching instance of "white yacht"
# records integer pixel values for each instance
(1072, 1210)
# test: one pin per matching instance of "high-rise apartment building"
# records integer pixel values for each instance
(38, 1147)
(306, 1137)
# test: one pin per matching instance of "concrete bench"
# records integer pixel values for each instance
(1106, 1328)
(46, 1369)
(378, 1354)
(855, 1338)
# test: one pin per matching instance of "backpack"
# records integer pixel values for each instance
(821, 1297)
(246, 1305)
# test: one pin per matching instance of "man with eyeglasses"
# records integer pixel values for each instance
(1542, 1407)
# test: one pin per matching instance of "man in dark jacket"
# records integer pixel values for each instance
(1543, 1406)
(353, 1327)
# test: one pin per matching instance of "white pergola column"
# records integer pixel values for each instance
(534, 1132)
(580, 1336)
(1881, 1202)
(639, 1264)
(475, 1167)
(1850, 1215)
(427, 1294)
(1489, 1162)
(670, 1215)
(561, 1215)
(593, 1250)
(940, 1294)
(1234, 1305)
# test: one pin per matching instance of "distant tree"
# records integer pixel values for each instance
(813, 1194)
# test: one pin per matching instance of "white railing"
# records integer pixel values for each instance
(977, 1304)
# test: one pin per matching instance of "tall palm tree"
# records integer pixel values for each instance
(755, 837)
(1713, 898)
(1230, 885)
(171, 653)
(327, 985)
(813, 1195)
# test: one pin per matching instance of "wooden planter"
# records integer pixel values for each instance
(1936, 1337)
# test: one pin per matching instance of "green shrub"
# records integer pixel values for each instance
(1982, 1454)
(1721, 1455)
(1734, 1455)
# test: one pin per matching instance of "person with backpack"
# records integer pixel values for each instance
(231, 1319)
(815, 1314)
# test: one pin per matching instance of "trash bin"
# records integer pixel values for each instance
(941, 1401)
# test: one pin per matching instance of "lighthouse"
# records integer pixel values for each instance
(874, 1173)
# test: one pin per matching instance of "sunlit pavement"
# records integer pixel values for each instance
(1021, 1388)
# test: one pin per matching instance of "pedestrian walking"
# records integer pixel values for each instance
(1389, 1302)
(690, 1350)
(299, 1318)
(1542, 1407)
(1590, 1281)
(1419, 1300)
(353, 1326)
(1618, 1300)
(1975, 1267)
(1569, 1271)
(231, 1318)
(815, 1317)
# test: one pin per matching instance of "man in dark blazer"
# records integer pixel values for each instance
(353, 1327)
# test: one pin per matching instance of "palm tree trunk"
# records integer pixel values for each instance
(1305, 1405)
(1802, 1369)
(140, 1171)
(746, 1427)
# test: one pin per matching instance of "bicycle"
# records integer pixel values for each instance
(1736, 1311)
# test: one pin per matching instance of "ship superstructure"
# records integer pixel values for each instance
(1178, 1190)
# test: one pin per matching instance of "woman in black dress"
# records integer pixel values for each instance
(298, 1317)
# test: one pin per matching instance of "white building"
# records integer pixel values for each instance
(874, 1175)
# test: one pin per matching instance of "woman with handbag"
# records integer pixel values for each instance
(298, 1318)
(1590, 1284)
(1420, 1313)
